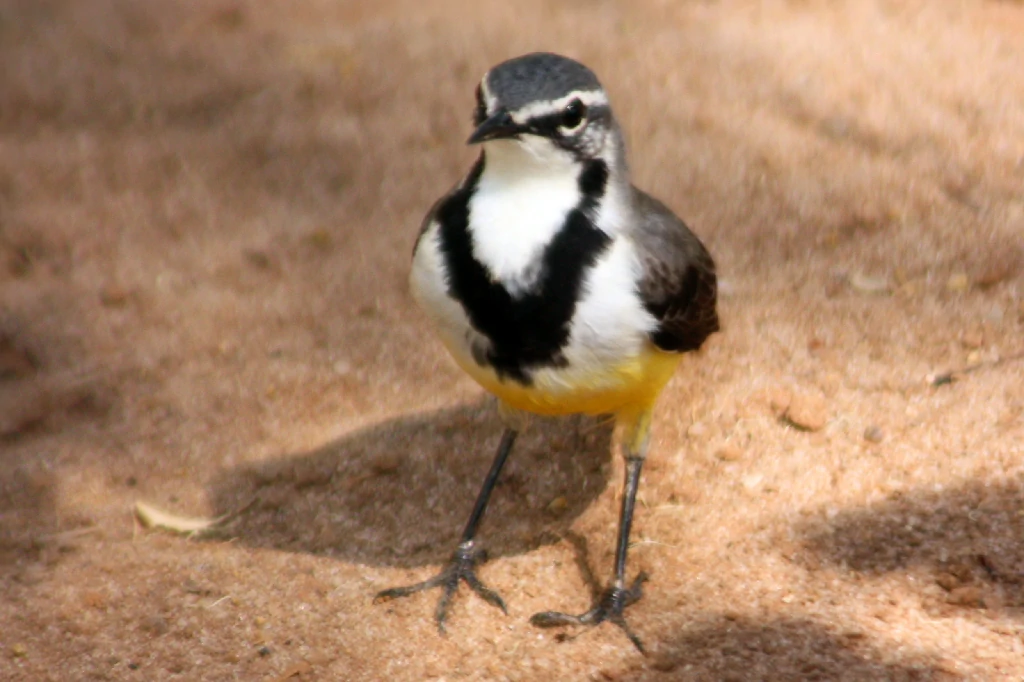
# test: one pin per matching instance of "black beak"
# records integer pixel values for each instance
(497, 127)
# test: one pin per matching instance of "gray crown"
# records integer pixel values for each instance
(539, 76)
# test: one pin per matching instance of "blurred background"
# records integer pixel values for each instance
(207, 211)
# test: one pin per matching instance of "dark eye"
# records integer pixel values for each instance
(573, 115)
(481, 107)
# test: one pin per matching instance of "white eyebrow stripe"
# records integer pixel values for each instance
(589, 98)
(490, 101)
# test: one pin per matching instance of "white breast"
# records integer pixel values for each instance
(521, 201)
(517, 209)
(610, 324)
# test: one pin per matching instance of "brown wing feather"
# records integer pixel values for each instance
(679, 286)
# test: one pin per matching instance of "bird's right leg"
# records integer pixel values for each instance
(611, 604)
(463, 562)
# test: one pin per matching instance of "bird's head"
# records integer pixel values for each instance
(545, 108)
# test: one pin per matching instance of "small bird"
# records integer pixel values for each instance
(559, 287)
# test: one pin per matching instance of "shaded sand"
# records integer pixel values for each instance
(206, 214)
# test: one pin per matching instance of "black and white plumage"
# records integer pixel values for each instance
(558, 285)
(679, 285)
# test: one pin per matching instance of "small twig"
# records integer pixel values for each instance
(647, 541)
(151, 517)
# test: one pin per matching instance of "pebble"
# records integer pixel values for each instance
(752, 482)
(873, 434)
(807, 412)
(665, 665)
(869, 284)
(558, 505)
(958, 282)
(319, 239)
(387, 463)
(947, 581)
(258, 259)
(973, 338)
(155, 625)
(729, 453)
(696, 430)
(1000, 267)
(779, 401)
(967, 595)
(113, 296)
(19, 651)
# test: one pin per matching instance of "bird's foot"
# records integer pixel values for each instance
(461, 567)
(609, 607)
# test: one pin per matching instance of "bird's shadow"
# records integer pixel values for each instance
(965, 536)
(399, 493)
(780, 648)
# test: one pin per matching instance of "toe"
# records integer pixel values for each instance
(554, 619)
(486, 593)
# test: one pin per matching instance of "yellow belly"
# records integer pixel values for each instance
(630, 386)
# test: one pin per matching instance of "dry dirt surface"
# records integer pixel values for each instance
(206, 215)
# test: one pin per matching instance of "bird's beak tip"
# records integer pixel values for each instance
(498, 126)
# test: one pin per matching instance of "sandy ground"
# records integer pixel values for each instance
(206, 215)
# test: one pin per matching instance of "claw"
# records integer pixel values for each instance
(461, 567)
(609, 608)
(484, 592)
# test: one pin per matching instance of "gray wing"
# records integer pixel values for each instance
(679, 286)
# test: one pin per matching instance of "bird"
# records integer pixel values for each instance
(560, 288)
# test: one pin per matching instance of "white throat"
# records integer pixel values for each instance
(524, 194)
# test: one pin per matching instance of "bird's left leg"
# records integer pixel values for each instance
(616, 597)
(461, 567)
